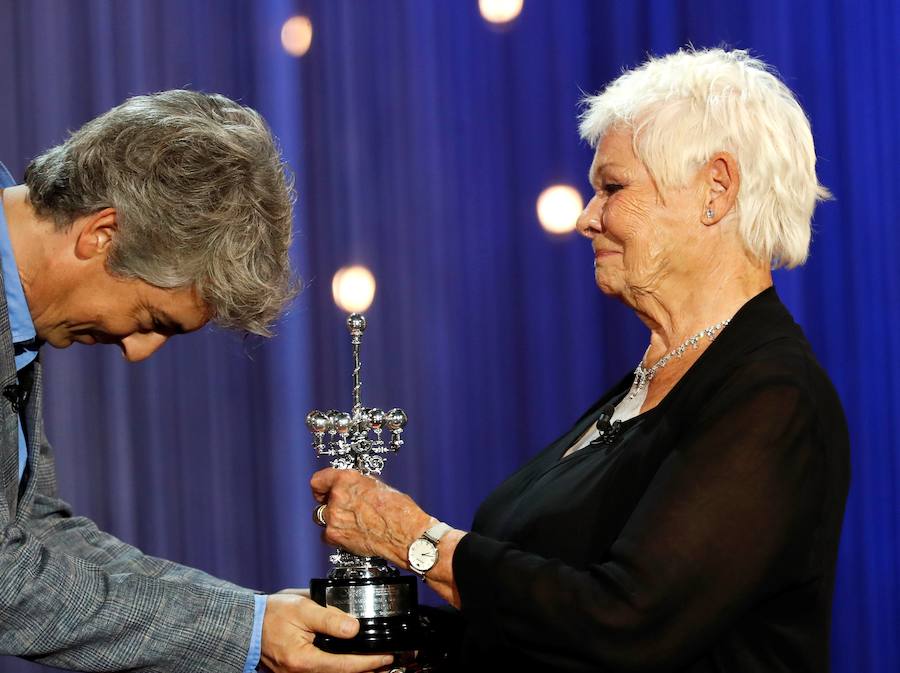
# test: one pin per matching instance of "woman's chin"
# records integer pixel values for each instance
(607, 285)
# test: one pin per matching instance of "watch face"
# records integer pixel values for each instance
(422, 555)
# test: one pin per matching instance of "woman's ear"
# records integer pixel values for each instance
(723, 178)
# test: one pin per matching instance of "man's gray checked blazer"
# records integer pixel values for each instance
(75, 597)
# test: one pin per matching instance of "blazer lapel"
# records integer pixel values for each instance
(9, 431)
(34, 435)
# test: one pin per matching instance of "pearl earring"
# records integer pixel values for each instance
(710, 213)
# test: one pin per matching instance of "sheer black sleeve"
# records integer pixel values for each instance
(730, 517)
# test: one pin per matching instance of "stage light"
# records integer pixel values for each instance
(558, 207)
(353, 288)
(500, 11)
(296, 35)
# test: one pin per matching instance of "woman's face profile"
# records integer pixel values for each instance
(639, 236)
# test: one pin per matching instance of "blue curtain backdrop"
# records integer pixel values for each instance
(421, 137)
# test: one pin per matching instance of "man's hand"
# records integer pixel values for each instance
(291, 623)
(296, 591)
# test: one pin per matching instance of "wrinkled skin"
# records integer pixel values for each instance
(368, 517)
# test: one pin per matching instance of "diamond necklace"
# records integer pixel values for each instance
(643, 375)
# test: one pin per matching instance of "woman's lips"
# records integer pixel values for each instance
(599, 255)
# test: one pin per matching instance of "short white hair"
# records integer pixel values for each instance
(684, 107)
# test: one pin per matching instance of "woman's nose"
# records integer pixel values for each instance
(589, 223)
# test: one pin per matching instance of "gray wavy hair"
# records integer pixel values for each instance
(203, 200)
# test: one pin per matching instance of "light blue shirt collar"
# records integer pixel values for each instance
(23, 334)
(19, 316)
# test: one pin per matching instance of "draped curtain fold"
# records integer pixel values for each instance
(421, 137)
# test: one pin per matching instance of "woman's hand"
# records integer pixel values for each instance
(366, 516)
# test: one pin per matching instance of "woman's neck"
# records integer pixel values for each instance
(680, 310)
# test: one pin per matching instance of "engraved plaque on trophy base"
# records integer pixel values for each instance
(386, 607)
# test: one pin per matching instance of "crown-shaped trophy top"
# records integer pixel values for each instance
(349, 443)
(356, 324)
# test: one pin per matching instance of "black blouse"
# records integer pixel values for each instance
(703, 539)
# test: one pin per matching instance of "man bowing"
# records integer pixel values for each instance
(160, 215)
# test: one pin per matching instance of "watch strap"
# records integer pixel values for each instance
(436, 532)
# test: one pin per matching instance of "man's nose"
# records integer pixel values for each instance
(589, 223)
(140, 346)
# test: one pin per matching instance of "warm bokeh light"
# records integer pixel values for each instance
(558, 207)
(353, 288)
(500, 11)
(296, 35)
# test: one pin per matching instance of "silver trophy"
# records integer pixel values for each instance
(384, 601)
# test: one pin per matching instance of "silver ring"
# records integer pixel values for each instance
(319, 515)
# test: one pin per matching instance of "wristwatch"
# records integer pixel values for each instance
(422, 554)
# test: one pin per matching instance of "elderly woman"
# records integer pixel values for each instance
(689, 520)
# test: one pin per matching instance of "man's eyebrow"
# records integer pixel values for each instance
(169, 323)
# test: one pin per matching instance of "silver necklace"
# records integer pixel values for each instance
(643, 375)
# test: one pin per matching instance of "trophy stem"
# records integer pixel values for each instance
(356, 329)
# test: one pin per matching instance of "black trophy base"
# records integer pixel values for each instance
(386, 607)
